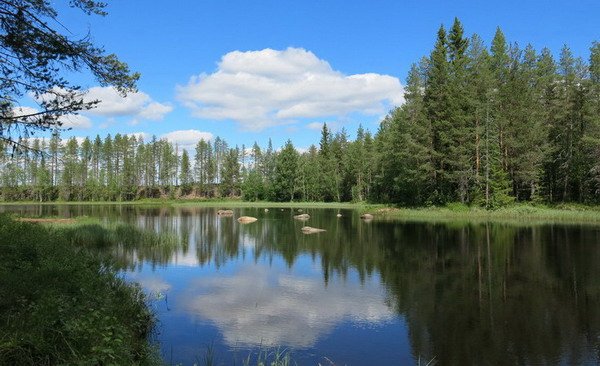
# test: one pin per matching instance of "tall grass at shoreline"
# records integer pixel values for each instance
(516, 214)
(60, 304)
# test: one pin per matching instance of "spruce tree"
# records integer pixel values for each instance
(437, 107)
(285, 182)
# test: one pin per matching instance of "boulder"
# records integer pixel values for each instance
(311, 230)
(366, 216)
(302, 217)
(246, 219)
(225, 212)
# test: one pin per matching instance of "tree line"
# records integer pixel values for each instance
(479, 126)
(125, 167)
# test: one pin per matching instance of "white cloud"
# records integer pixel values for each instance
(155, 111)
(187, 139)
(24, 111)
(76, 121)
(137, 105)
(315, 125)
(264, 88)
(140, 135)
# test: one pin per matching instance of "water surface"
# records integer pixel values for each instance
(362, 293)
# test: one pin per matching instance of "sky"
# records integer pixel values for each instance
(252, 70)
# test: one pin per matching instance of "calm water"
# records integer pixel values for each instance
(376, 293)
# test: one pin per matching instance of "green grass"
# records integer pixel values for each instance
(265, 204)
(520, 213)
(567, 213)
(263, 356)
(60, 304)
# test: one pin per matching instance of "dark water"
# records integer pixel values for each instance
(376, 293)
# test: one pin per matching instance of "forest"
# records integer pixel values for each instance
(481, 126)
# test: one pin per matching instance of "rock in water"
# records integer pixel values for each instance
(339, 215)
(302, 217)
(366, 216)
(225, 212)
(311, 230)
(246, 219)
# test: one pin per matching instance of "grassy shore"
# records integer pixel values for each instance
(519, 214)
(62, 304)
(572, 213)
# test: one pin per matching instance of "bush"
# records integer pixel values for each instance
(60, 304)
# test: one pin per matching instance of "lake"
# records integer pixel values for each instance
(382, 292)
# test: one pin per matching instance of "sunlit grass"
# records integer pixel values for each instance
(521, 214)
(531, 213)
(64, 305)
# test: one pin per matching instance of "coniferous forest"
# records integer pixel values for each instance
(482, 124)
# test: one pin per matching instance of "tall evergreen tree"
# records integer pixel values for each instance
(185, 175)
(285, 182)
(437, 107)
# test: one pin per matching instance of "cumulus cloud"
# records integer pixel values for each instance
(187, 139)
(140, 135)
(112, 104)
(136, 105)
(264, 88)
(74, 121)
(315, 125)
(155, 111)
(24, 111)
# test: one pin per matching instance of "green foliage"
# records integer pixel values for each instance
(37, 51)
(63, 305)
(484, 126)
(286, 172)
(270, 357)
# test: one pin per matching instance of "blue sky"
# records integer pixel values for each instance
(250, 70)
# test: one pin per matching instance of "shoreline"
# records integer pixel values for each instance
(564, 213)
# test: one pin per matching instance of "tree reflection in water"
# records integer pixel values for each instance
(470, 293)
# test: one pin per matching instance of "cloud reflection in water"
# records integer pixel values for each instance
(258, 305)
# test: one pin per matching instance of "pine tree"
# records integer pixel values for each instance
(327, 169)
(437, 107)
(285, 182)
(253, 184)
(591, 140)
(185, 176)
(230, 174)
(461, 149)
(68, 175)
